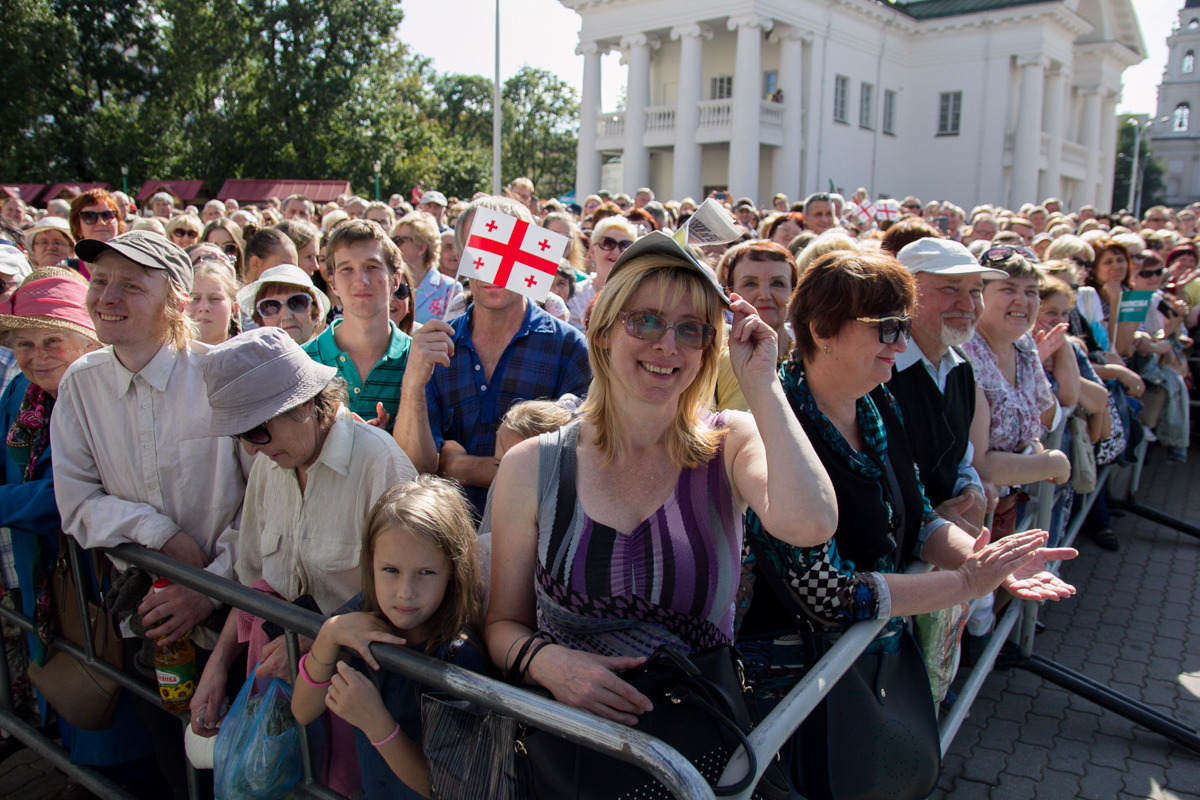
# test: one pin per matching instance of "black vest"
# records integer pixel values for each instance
(938, 425)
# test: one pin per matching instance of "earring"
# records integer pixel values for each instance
(826, 349)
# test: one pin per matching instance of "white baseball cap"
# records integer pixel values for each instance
(944, 257)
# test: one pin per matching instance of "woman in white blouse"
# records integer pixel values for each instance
(316, 474)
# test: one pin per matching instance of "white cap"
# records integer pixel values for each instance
(944, 257)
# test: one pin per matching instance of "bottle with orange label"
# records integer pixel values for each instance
(175, 665)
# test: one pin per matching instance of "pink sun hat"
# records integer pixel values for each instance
(51, 298)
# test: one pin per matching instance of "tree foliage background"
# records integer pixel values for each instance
(1151, 169)
(298, 89)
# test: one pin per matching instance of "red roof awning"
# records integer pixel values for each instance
(249, 190)
(71, 190)
(29, 192)
(186, 191)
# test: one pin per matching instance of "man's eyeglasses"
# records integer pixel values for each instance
(607, 243)
(258, 435)
(648, 327)
(92, 217)
(403, 292)
(298, 303)
(890, 328)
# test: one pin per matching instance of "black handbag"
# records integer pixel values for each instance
(874, 736)
(699, 709)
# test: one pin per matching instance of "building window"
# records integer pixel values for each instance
(1183, 113)
(770, 83)
(722, 87)
(889, 112)
(841, 88)
(1189, 61)
(949, 113)
(866, 106)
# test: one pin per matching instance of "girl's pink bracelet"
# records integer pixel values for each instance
(304, 674)
(394, 734)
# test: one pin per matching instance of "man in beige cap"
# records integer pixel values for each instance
(126, 467)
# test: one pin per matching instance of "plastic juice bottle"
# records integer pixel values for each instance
(175, 665)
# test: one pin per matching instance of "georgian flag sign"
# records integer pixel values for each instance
(512, 253)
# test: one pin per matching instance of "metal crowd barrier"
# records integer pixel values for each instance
(658, 759)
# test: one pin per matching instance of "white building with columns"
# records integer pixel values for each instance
(972, 101)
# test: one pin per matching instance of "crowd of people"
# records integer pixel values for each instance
(308, 401)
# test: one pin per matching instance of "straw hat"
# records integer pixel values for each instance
(283, 273)
(257, 376)
(51, 298)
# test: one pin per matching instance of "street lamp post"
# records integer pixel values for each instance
(1135, 176)
(378, 168)
(125, 178)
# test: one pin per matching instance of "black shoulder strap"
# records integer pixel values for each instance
(564, 504)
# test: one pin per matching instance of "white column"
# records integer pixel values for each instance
(636, 159)
(1108, 152)
(791, 81)
(1056, 109)
(688, 152)
(1028, 148)
(587, 159)
(1090, 139)
(747, 100)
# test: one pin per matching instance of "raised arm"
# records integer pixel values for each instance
(431, 346)
(772, 465)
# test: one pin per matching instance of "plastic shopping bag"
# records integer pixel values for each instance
(258, 747)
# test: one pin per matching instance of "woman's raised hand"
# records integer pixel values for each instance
(753, 348)
(990, 563)
(586, 681)
(1049, 341)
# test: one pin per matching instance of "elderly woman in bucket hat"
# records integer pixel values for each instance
(48, 328)
(285, 297)
(314, 461)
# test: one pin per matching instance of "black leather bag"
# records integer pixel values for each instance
(700, 709)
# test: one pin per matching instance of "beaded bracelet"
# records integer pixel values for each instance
(304, 674)
(393, 735)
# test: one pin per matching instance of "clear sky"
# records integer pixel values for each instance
(459, 34)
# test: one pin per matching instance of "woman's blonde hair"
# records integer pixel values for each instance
(220, 272)
(689, 443)
(435, 511)
(425, 234)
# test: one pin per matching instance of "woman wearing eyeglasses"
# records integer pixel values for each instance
(611, 237)
(400, 307)
(284, 297)
(312, 458)
(95, 215)
(850, 314)
(227, 235)
(184, 230)
(653, 488)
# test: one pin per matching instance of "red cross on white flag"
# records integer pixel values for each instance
(512, 253)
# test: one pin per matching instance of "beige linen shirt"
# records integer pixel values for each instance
(132, 463)
(310, 543)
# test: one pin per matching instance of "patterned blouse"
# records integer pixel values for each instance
(1016, 410)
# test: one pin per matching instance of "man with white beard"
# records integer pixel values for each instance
(934, 383)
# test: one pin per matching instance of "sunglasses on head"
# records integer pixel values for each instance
(258, 435)
(298, 303)
(890, 328)
(92, 217)
(607, 243)
(649, 327)
(403, 292)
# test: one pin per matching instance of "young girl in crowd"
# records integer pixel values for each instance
(421, 589)
(212, 303)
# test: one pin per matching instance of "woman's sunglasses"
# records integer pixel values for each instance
(1147, 274)
(651, 327)
(298, 303)
(890, 328)
(607, 243)
(184, 233)
(258, 435)
(230, 250)
(403, 292)
(92, 217)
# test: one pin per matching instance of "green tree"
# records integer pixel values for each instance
(1150, 169)
(541, 130)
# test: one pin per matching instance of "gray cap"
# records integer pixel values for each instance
(150, 250)
(257, 376)
(433, 197)
(659, 243)
(944, 257)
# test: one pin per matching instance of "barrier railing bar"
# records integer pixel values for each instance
(91, 780)
(661, 761)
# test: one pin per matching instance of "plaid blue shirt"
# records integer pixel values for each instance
(546, 359)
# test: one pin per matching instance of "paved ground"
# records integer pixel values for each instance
(1133, 626)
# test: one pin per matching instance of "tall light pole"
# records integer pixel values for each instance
(496, 112)
(378, 168)
(125, 178)
(1135, 193)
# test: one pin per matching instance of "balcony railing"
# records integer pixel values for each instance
(715, 124)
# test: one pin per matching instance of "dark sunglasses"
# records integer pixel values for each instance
(230, 250)
(92, 217)
(1152, 273)
(890, 328)
(258, 435)
(298, 303)
(651, 327)
(607, 243)
(403, 292)
(180, 233)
